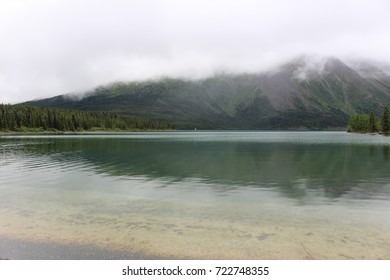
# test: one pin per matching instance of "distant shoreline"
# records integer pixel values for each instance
(105, 132)
(87, 132)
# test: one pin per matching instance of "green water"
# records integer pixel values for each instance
(251, 195)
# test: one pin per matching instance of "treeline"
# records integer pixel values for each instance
(26, 118)
(363, 123)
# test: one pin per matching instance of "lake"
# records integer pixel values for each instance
(195, 195)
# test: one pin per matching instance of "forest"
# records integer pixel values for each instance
(364, 123)
(22, 118)
(28, 118)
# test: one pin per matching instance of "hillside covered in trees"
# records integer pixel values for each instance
(27, 118)
(297, 95)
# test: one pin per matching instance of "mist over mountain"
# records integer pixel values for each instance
(306, 93)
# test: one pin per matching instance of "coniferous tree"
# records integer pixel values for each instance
(2, 118)
(359, 123)
(372, 125)
(385, 121)
(11, 119)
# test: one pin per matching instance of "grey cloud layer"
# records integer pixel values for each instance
(54, 47)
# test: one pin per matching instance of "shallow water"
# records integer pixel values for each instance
(205, 195)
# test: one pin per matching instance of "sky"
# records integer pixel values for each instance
(52, 47)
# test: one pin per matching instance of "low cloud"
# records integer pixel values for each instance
(57, 46)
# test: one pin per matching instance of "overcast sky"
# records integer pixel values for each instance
(51, 47)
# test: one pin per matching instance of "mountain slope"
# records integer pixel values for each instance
(299, 94)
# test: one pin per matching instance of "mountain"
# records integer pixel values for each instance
(302, 94)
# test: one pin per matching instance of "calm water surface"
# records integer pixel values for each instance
(206, 195)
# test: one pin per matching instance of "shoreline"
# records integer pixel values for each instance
(102, 132)
(105, 132)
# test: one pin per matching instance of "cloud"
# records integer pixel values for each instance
(50, 47)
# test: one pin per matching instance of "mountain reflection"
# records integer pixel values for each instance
(291, 168)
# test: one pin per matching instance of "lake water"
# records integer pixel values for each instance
(203, 195)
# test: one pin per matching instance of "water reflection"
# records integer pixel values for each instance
(292, 168)
(386, 152)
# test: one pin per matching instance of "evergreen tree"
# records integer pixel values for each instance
(2, 118)
(11, 119)
(372, 125)
(359, 123)
(385, 121)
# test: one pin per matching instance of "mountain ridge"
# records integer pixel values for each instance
(301, 94)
